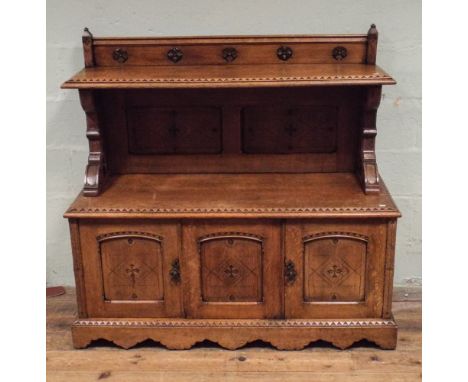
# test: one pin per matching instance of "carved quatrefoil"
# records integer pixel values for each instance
(229, 54)
(175, 54)
(339, 53)
(120, 55)
(284, 53)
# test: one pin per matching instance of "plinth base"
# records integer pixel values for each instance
(233, 334)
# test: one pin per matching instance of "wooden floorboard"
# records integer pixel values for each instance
(208, 362)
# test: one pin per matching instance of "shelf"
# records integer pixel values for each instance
(234, 196)
(227, 76)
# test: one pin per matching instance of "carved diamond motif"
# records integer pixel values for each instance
(334, 271)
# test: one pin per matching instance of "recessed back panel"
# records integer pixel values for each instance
(232, 130)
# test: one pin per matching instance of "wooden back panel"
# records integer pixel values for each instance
(230, 50)
(231, 130)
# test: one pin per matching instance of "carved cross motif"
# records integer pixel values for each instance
(231, 271)
(335, 271)
(133, 271)
(173, 130)
(290, 129)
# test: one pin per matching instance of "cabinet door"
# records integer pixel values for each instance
(334, 269)
(232, 270)
(131, 269)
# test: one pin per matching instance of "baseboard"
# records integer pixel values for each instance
(407, 293)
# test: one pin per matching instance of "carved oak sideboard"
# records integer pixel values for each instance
(231, 184)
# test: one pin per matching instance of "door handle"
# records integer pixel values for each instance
(175, 271)
(290, 272)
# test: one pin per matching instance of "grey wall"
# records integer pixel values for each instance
(399, 118)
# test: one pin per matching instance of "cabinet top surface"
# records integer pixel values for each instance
(235, 76)
(229, 62)
(234, 196)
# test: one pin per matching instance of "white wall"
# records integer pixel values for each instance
(399, 117)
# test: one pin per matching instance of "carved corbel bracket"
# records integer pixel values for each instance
(369, 171)
(96, 168)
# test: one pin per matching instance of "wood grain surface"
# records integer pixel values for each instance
(146, 77)
(234, 196)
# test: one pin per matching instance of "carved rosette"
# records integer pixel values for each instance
(284, 53)
(175, 54)
(339, 53)
(229, 54)
(120, 55)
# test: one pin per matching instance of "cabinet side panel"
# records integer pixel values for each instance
(78, 267)
(389, 269)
